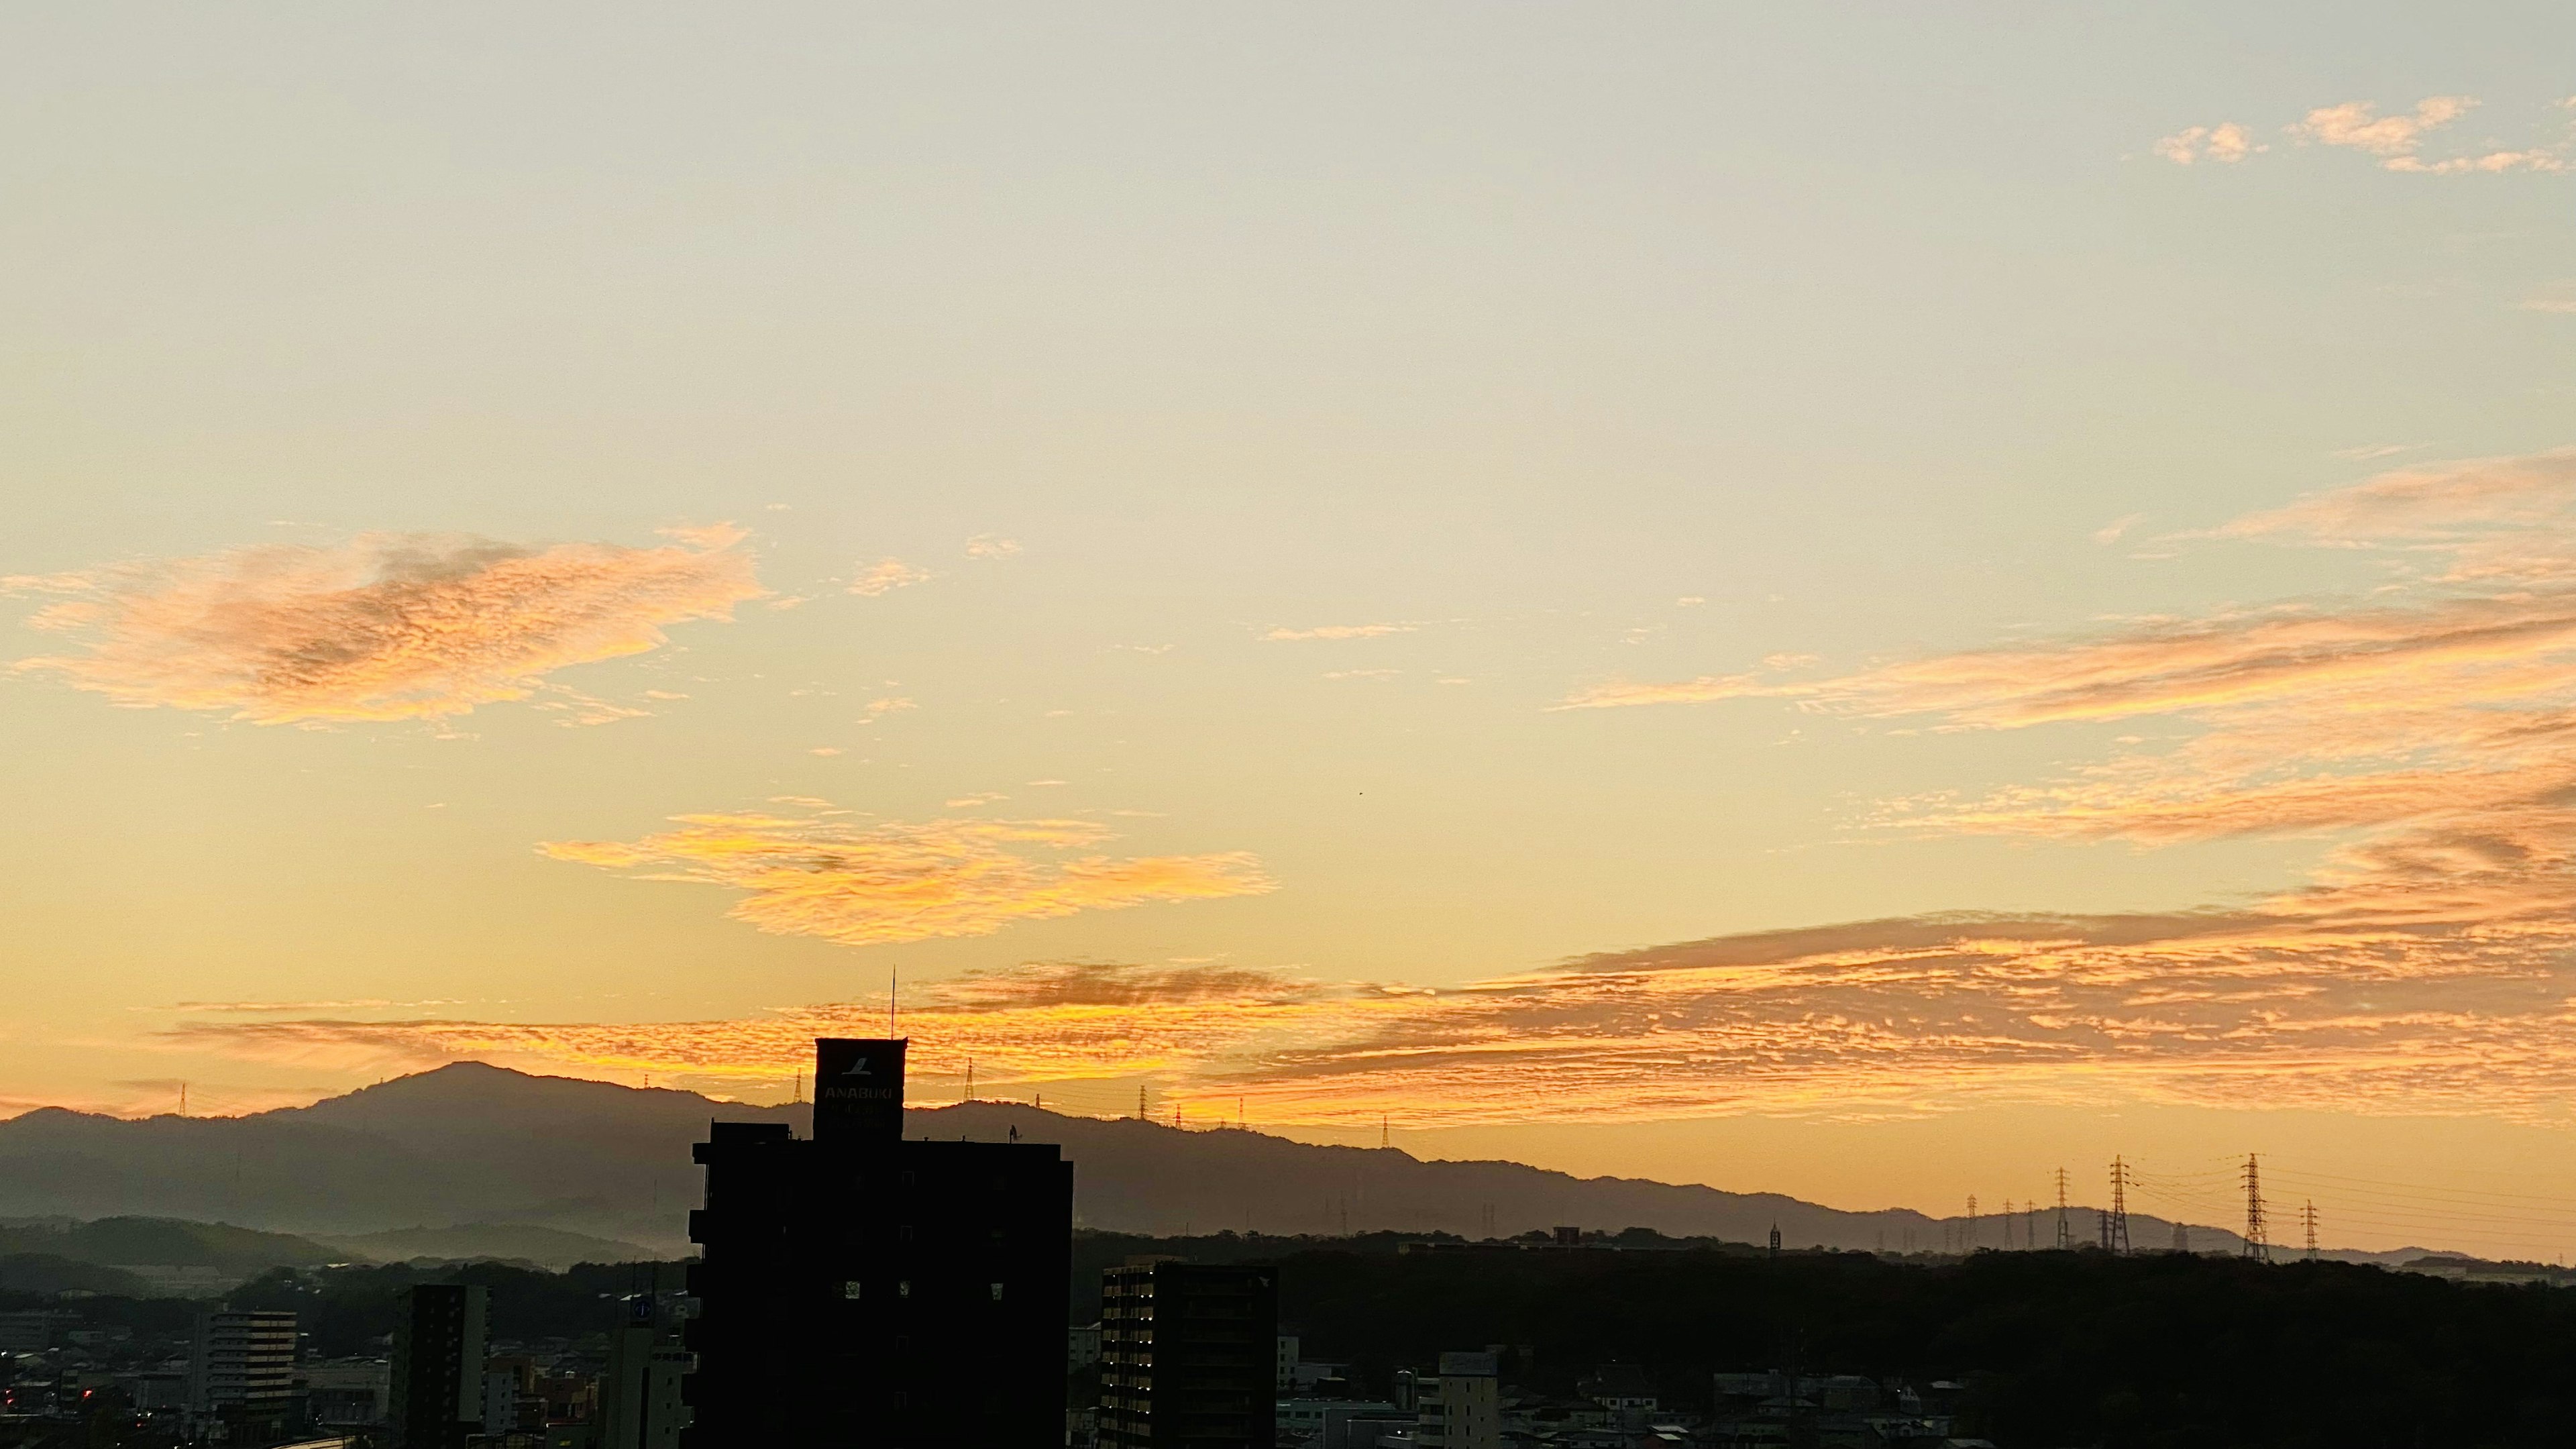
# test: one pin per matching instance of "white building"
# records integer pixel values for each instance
(241, 1364)
(1463, 1407)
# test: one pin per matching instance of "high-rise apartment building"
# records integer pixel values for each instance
(1188, 1355)
(241, 1368)
(437, 1397)
(859, 1290)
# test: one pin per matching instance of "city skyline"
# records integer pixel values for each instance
(1854, 603)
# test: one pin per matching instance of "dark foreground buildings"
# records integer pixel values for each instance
(437, 1391)
(860, 1290)
(1188, 1355)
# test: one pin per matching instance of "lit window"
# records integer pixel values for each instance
(850, 1289)
(997, 1292)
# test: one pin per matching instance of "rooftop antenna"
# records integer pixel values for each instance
(893, 977)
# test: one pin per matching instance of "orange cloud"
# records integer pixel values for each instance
(816, 875)
(389, 627)
(2324, 999)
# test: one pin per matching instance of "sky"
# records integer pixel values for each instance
(1868, 601)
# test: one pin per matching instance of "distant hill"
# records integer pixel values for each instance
(478, 1146)
(47, 1275)
(166, 1242)
(499, 1242)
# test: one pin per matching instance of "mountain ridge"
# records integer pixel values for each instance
(475, 1144)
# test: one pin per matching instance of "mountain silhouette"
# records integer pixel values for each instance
(470, 1145)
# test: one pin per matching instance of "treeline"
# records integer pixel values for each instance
(2055, 1348)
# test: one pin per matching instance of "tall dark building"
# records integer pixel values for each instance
(437, 1394)
(1188, 1355)
(856, 1289)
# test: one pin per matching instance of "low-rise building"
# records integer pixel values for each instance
(1325, 1423)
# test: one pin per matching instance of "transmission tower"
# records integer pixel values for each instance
(2115, 1223)
(1968, 1243)
(2308, 1220)
(2182, 1237)
(2258, 1242)
(2064, 1239)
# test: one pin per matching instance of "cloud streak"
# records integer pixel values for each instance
(387, 627)
(1339, 631)
(821, 874)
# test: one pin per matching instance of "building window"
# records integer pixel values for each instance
(850, 1289)
(903, 1288)
(997, 1292)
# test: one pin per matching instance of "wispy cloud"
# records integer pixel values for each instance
(887, 575)
(865, 884)
(1340, 631)
(2397, 141)
(2225, 143)
(388, 627)
(2437, 715)
(991, 546)
(1703, 690)
(2111, 533)
(2559, 298)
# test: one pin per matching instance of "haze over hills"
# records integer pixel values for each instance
(458, 1161)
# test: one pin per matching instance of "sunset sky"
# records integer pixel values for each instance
(1866, 601)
